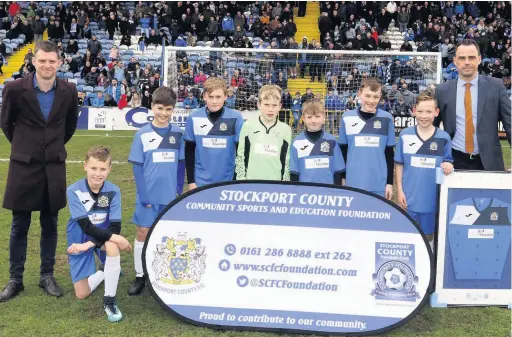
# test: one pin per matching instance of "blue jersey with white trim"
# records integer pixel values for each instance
(159, 157)
(101, 210)
(215, 144)
(316, 161)
(420, 159)
(367, 141)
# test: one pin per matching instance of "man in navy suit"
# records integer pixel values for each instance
(470, 109)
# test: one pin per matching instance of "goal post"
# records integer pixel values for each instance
(337, 75)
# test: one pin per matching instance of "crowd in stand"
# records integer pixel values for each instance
(112, 50)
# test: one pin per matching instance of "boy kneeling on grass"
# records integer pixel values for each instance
(93, 228)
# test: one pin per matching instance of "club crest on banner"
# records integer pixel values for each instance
(179, 261)
(394, 277)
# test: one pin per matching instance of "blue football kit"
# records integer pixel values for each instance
(102, 210)
(367, 141)
(420, 158)
(156, 155)
(316, 161)
(215, 144)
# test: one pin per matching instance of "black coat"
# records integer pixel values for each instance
(37, 146)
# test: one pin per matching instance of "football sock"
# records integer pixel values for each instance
(137, 256)
(112, 269)
(95, 279)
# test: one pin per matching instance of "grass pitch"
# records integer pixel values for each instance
(35, 314)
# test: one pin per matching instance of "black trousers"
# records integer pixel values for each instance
(463, 161)
(18, 241)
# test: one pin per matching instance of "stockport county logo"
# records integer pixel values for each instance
(395, 281)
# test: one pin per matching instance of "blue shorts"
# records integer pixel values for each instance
(145, 217)
(83, 265)
(427, 221)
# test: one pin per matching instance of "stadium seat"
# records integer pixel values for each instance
(143, 59)
(77, 75)
(80, 87)
(88, 88)
(81, 81)
(96, 89)
(8, 80)
(6, 41)
(68, 75)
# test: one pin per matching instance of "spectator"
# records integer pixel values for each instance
(115, 90)
(146, 100)
(401, 108)
(281, 81)
(200, 78)
(307, 96)
(38, 27)
(385, 44)
(27, 68)
(29, 55)
(72, 48)
(228, 25)
(190, 102)
(406, 47)
(136, 101)
(92, 77)
(407, 95)
(94, 46)
(145, 25)
(383, 20)
(98, 101)
(324, 25)
(109, 101)
(114, 53)
(403, 19)
(102, 80)
(126, 41)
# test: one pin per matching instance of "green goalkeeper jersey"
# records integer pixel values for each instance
(264, 153)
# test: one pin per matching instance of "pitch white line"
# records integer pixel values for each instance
(74, 161)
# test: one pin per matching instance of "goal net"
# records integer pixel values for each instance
(333, 76)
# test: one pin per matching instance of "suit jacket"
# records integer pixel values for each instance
(37, 145)
(493, 106)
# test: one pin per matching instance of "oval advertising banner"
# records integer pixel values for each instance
(286, 257)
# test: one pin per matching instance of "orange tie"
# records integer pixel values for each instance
(470, 128)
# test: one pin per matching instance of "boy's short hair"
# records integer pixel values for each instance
(214, 83)
(99, 152)
(313, 106)
(427, 95)
(269, 91)
(371, 83)
(164, 96)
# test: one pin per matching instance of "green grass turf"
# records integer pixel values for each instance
(35, 314)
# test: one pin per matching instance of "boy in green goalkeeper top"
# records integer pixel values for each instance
(264, 146)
